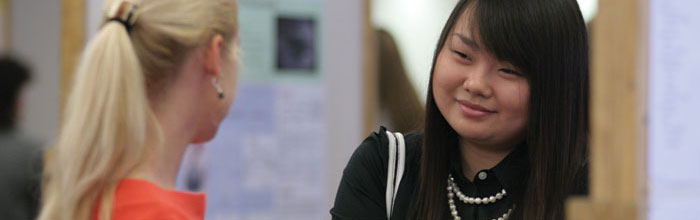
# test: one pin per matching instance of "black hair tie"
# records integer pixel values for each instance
(125, 13)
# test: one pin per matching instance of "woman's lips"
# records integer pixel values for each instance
(473, 110)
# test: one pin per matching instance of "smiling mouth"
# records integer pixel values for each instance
(473, 110)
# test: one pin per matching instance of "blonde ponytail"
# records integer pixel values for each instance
(108, 119)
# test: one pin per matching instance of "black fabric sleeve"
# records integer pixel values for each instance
(33, 190)
(362, 190)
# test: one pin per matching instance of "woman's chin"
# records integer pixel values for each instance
(205, 136)
(474, 135)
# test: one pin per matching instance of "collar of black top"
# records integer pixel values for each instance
(511, 172)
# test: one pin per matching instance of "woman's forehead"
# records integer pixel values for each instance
(466, 26)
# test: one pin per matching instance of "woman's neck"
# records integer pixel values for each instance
(163, 162)
(479, 157)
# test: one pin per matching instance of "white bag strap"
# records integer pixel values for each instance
(390, 174)
(402, 161)
(397, 159)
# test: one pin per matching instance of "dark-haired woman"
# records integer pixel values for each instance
(506, 128)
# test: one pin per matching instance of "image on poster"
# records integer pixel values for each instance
(295, 43)
(281, 40)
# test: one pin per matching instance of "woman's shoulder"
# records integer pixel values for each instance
(414, 142)
(139, 199)
(362, 189)
(154, 211)
(374, 149)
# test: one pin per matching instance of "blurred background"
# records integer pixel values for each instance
(317, 77)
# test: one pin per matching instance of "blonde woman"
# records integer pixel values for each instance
(159, 75)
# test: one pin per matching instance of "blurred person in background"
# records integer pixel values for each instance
(400, 108)
(158, 76)
(20, 156)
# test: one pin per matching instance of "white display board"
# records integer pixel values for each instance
(674, 110)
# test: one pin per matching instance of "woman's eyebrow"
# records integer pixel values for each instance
(468, 41)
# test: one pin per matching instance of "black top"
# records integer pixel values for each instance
(362, 190)
(20, 176)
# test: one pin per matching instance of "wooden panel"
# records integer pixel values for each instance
(584, 209)
(371, 91)
(72, 42)
(618, 114)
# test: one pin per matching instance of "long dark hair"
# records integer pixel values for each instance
(548, 40)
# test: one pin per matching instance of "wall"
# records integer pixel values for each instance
(36, 39)
(416, 26)
(343, 48)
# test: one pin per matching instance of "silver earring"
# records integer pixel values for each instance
(218, 88)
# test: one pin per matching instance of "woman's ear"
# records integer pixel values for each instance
(212, 55)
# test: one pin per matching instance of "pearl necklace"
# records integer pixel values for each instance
(453, 189)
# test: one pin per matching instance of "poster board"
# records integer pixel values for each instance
(674, 110)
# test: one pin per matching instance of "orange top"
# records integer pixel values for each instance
(142, 200)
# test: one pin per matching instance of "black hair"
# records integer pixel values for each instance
(13, 76)
(548, 41)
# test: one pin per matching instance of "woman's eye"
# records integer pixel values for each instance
(462, 55)
(512, 72)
